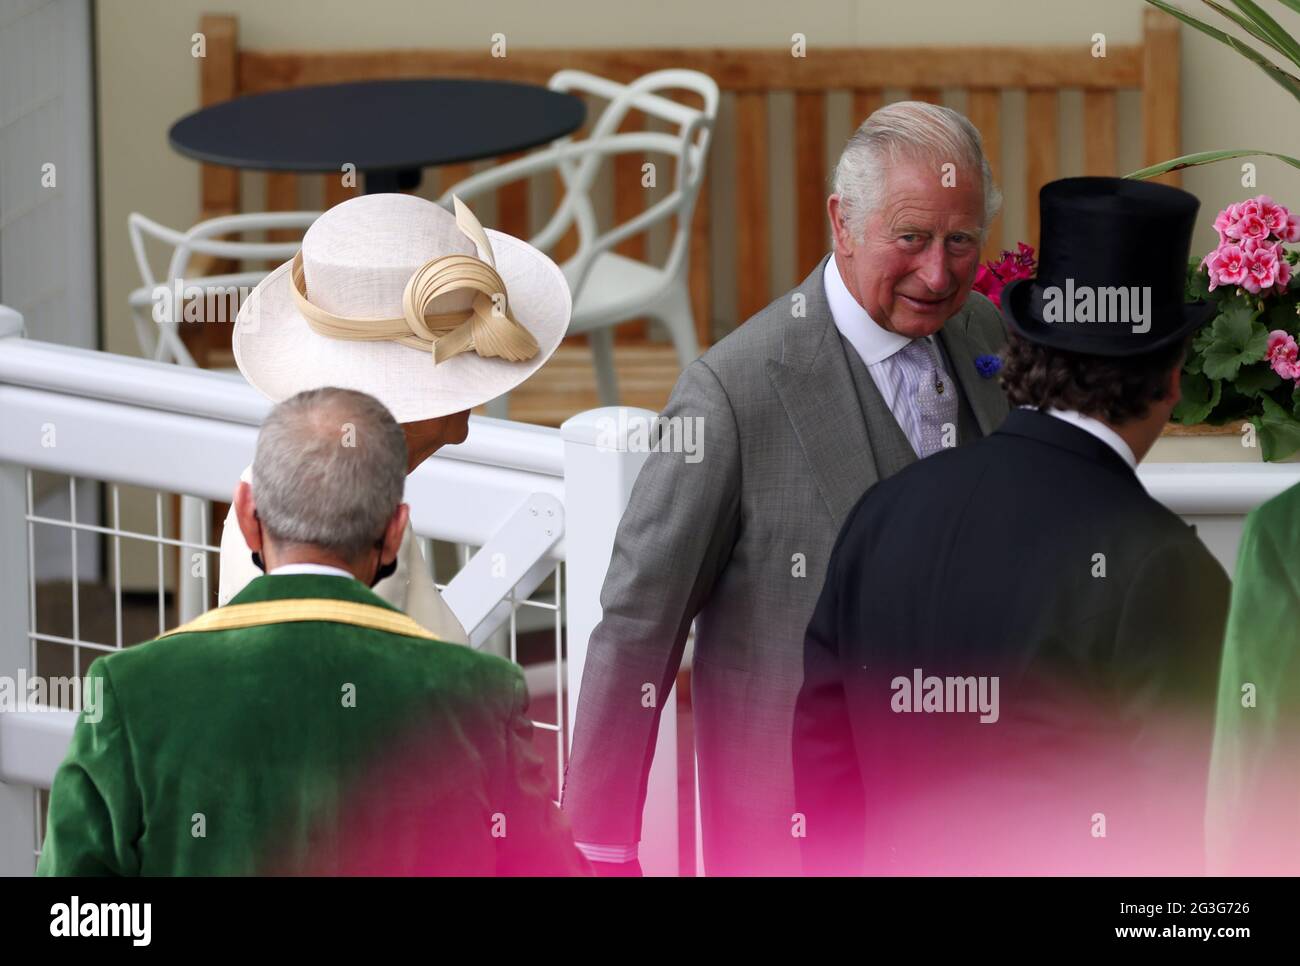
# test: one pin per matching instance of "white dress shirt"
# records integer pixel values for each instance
(1097, 428)
(878, 349)
(310, 568)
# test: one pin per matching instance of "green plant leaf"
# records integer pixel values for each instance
(1191, 21)
(1246, 24)
(1236, 340)
(1206, 157)
(1288, 81)
(1198, 282)
(1235, 300)
(1273, 33)
(1295, 401)
(1258, 378)
(1278, 431)
(1204, 338)
(1282, 316)
(1199, 397)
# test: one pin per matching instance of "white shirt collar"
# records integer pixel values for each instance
(873, 343)
(309, 568)
(1097, 428)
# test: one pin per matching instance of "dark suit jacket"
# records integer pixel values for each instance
(738, 542)
(1033, 559)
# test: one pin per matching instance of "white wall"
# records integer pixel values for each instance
(147, 79)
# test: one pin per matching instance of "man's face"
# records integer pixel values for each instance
(914, 264)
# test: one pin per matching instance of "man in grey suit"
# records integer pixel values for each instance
(833, 386)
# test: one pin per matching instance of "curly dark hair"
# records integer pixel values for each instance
(1111, 388)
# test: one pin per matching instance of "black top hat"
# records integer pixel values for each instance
(1112, 268)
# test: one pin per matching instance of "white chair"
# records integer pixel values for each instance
(155, 314)
(609, 288)
(157, 323)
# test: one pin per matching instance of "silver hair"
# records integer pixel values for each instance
(915, 131)
(329, 471)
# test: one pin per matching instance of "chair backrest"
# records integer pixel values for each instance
(977, 79)
(690, 138)
(158, 304)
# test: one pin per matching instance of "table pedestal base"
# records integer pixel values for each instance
(402, 179)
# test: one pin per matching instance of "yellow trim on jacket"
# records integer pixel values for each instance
(234, 616)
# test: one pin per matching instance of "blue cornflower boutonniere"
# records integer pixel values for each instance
(988, 366)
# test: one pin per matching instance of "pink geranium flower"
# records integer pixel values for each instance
(1250, 252)
(1253, 206)
(1249, 226)
(1273, 216)
(1283, 268)
(1227, 265)
(1282, 354)
(1291, 231)
(1228, 217)
(1261, 269)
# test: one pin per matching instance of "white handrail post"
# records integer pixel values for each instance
(598, 475)
(17, 802)
(189, 578)
(11, 322)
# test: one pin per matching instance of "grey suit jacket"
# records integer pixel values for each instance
(739, 542)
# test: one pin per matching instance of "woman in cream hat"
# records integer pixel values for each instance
(423, 309)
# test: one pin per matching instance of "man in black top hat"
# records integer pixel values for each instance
(1011, 667)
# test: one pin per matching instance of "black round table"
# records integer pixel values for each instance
(389, 129)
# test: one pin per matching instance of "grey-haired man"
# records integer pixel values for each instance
(335, 735)
(866, 365)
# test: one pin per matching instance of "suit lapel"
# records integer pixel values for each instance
(816, 388)
(985, 396)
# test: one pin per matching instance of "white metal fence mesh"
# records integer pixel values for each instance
(533, 495)
(66, 635)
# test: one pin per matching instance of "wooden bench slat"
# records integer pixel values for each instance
(1042, 152)
(984, 110)
(453, 174)
(1161, 97)
(218, 81)
(219, 190)
(810, 181)
(753, 259)
(334, 189)
(281, 195)
(512, 204)
(738, 70)
(865, 103)
(568, 243)
(630, 201)
(1100, 151)
(701, 266)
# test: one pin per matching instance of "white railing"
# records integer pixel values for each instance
(1215, 497)
(122, 420)
(531, 498)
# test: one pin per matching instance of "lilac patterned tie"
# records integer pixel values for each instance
(932, 397)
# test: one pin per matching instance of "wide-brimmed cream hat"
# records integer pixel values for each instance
(397, 297)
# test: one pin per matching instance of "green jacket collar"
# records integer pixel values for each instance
(294, 586)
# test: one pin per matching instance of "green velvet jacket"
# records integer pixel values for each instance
(305, 747)
(1253, 813)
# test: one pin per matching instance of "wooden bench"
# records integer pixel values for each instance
(979, 76)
